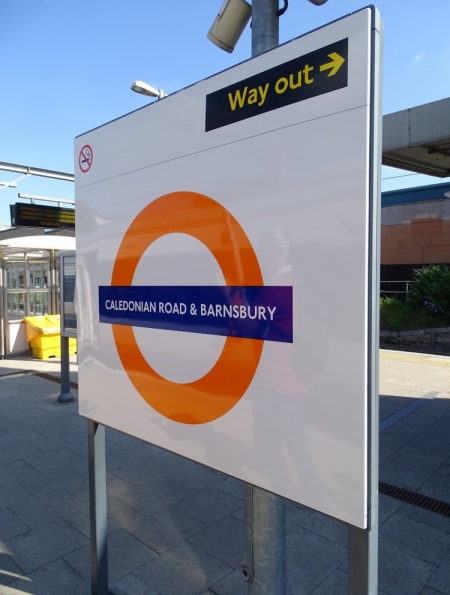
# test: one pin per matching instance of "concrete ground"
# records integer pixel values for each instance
(176, 528)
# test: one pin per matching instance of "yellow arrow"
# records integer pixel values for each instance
(334, 65)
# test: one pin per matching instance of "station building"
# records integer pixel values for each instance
(415, 232)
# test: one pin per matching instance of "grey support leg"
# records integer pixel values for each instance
(264, 565)
(363, 561)
(97, 493)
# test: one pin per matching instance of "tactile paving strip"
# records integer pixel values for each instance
(415, 359)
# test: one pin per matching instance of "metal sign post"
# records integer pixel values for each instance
(264, 563)
(68, 322)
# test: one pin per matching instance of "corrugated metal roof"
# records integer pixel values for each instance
(412, 195)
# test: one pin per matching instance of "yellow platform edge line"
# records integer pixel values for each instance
(411, 359)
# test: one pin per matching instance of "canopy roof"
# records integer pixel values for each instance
(418, 139)
(19, 239)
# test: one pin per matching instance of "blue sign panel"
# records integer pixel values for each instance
(249, 312)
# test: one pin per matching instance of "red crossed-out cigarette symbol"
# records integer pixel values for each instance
(85, 158)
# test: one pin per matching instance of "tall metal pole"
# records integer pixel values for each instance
(264, 564)
(265, 26)
(65, 396)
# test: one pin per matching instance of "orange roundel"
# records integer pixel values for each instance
(218, 391)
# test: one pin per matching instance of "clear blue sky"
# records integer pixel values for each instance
(66, 67)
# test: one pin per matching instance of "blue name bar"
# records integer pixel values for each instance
(249, 312)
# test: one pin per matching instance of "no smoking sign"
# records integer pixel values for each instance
(85, 158)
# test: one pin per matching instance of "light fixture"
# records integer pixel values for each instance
(146, 89)
(232, 19)
(229, 24)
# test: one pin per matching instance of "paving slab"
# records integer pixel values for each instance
(400, 573)
(11, 492)
(427, 517)
(9, 572)
(149, 497)
(435, 490)
(125, 554)
(19, 438)
(16, 452)
(45, 461)
(223, 540)
(312, 556)
(440, 578)
(419, 458)
(429, 591)
(332, 529)
(403, 474)
(184, 569)
(210, 505)
(55, 578)
(52, 478)
(11, 525)
(40, 510)
(131, 584)
(416, 539)
(161, 530)
(232, 584)
(387, 507)
(45, 544)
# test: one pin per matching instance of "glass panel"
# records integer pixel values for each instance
(58, 288)
(39, 273)
(38, 303)
(69, 318)
(15, 275)
(46, 274)
(35, 275)
(15, 305)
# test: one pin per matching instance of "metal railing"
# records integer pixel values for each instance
(398, 288)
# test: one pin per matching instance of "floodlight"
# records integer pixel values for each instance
(229, 24)
(318, 2)
(146, 89)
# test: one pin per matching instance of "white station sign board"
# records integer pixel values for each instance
(223, 269)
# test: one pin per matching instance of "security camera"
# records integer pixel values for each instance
(146, 89)
(228, 25)
(318, 2)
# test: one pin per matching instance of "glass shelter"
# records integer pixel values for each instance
(29, 281)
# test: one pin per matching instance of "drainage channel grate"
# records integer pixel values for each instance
(419, 500)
